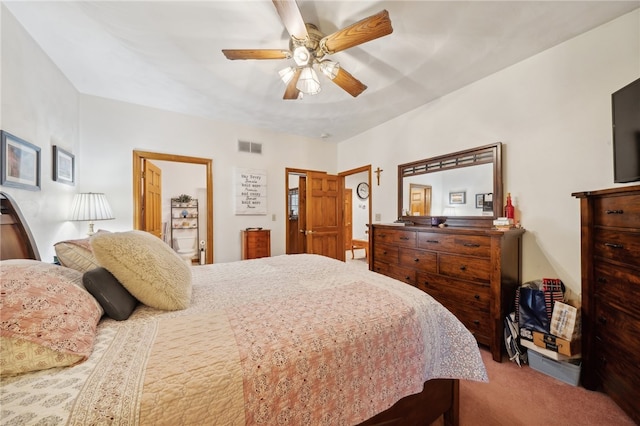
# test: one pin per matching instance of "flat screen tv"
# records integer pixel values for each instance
(625, 105)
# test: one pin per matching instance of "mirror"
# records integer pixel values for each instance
(465, 187)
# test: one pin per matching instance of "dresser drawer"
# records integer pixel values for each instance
(406, 275)
(616, 331)
(619, 286)
(477, 322)
(420, 259)
(385, 253)
(395, 236)
(621, 211)
(460, 293)
(619, 377)
(468, 268)
(617, 245)
(473, 245)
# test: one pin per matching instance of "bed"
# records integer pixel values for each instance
(291, 339)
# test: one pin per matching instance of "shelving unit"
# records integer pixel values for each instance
(185, 232)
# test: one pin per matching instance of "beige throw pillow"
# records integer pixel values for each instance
(147, 267)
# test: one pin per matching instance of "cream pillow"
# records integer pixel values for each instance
(147, 267)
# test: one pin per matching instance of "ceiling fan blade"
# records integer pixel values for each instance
(292, 91)
(349, 83)
(291, 18)
(256, 53)
(362, 31)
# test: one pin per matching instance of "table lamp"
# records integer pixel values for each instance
(91, 206)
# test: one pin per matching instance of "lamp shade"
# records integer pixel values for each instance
(91, 206)
(308, 82)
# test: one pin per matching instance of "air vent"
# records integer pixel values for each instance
(252, 147)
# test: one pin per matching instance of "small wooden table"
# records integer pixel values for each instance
(360, 244)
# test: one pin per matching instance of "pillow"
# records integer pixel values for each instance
(77, 254)
(116, 301)
(48, 318)
(147, 267)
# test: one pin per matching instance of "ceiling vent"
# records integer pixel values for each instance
(251, 147)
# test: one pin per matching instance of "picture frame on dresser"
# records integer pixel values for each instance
(20, 163)
(64, 166)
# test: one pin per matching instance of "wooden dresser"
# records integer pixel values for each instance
(610, 245)
(472, 271)
(256, 243)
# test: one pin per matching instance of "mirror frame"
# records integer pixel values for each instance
(468, 158)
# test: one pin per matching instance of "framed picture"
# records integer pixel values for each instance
(479, 201)
(20, 163)
(458, 197)
(64, 166)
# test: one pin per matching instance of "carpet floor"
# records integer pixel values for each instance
(523, 396)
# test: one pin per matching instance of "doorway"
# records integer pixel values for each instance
(139, 160)
(356, 180)
(296, 207)
(315, 224)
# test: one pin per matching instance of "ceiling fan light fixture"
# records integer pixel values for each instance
(330, 68)
(301, 56)
(308, 82)
(286, 74)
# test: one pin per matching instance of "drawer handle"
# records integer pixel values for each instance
(382, 235)
(407, 278)
(601, 280)
(471, 245)
(433, 241)
(476, 322)
(614, 211)
(613, 245)
(476, 296)
(404, 238)
(463, 268)
(416, 260)
(602, 320)
(384, 252)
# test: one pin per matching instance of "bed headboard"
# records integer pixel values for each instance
(17, 240)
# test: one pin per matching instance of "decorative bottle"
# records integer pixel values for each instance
(509, 210)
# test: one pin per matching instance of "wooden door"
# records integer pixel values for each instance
(420, 196)
(324, 215)
(302, 215)
(348, 218)
(152, 198)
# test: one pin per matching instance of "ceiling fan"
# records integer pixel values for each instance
(308, 47)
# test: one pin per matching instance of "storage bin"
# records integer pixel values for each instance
(565, 371)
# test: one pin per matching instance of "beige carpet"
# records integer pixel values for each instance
(523, 396)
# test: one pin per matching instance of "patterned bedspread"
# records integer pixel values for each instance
(298, 339)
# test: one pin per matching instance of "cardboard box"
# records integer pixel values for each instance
(556, 344)
(546, 352)
(566, 371)
(565, 321)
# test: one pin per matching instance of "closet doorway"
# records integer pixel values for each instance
(141, 160)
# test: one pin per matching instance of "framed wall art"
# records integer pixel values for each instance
(64, 166)
(479, 201)
(459, 197)
(20, 163)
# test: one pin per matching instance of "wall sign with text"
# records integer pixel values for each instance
(251, 191)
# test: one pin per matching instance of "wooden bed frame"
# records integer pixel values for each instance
(439, 398)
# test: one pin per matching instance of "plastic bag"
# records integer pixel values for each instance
(532, 310)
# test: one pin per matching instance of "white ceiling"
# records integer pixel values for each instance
(167, 54)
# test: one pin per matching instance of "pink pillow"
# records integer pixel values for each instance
(44, 305)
